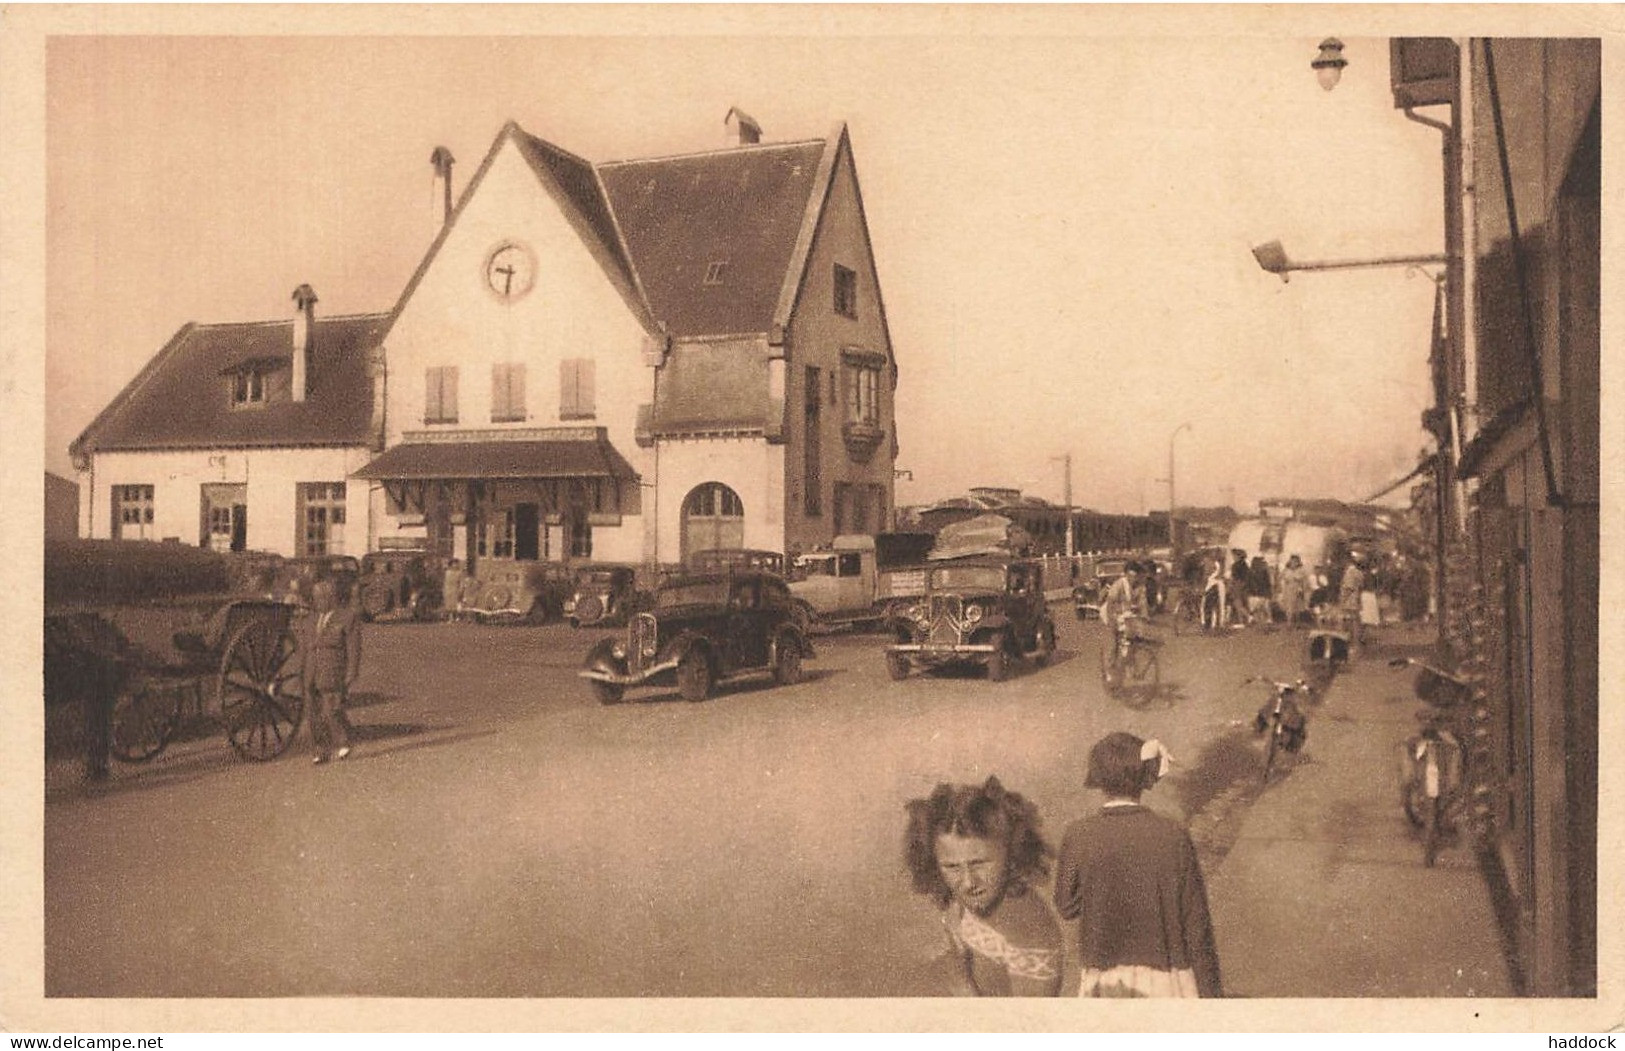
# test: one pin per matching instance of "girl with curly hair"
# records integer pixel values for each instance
(1131, 880)
(976, 851)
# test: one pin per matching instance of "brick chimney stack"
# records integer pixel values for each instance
(442, 160)
(741, 127)
(304, 329)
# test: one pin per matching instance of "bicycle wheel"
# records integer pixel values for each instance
(1142, 674)
(1270, 745)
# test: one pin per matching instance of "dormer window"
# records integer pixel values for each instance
(249, 387)
(714, 272)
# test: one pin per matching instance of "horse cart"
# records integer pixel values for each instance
(185, 651)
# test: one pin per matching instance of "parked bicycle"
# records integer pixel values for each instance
(1282, 721)
(1433, 765)
(1131, 662)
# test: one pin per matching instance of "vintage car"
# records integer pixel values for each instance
(401, 584)
(605, 595)
(722, 559)
(1098, 577)
(295, 576)
(702, 629)
(983, 610)
(506, 591)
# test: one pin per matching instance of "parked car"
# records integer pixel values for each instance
(719, 560)
(983, 610)
(702, 629)
(294, 577)
(605, 595)
(401, 583)
(504, 590)
(1091, 590)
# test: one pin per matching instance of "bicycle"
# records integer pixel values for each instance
(1131, 664)
(1185, 611)
(1432, 766)
(1281, 720)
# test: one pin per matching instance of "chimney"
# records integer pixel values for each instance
(304, 326)
(741, 127)
(442, 160)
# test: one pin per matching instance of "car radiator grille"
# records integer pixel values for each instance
(642, 639)
(946, 613)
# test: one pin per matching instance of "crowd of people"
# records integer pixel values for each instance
(1126, 878)
(1355, 589)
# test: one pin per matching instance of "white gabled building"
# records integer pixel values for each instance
(620, 362)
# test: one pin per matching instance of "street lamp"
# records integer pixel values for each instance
(1173, 536)
(1328, 65)
(1066, 460)
(1272, 259)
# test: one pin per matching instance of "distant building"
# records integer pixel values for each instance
(61, 508)
(623, 361)
(1043, 521)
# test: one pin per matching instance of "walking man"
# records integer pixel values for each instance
(330, 639)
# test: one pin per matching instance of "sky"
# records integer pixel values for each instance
(1061, 223)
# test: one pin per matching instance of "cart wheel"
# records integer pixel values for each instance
(261, 697)
(144, 719)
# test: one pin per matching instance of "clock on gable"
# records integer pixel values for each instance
(510, 270)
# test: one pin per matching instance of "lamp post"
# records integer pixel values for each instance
(1066, 496)
(1173, 535)
(1272, 259)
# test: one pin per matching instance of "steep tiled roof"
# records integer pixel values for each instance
(579, 182)
(181, 400)
(681, 216)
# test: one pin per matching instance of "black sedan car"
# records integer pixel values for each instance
(701, 630)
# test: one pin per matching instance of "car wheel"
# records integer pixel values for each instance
(607, 692)
(694, 676)
(804, 617)
(786, 662)
(998, 661)
(1045, 644)
(897, 666)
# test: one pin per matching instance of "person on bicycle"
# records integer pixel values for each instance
(1125, 599)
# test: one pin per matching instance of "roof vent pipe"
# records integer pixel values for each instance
(442, 160)
(304, 327)
(741, 127)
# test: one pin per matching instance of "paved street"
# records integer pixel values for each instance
(499, 833)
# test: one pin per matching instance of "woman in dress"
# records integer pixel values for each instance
(1131, 880)
(975, 850)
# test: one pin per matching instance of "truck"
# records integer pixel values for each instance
(859, 581)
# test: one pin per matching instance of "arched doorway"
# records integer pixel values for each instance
(713, 519)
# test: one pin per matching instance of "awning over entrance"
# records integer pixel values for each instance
(498, 460)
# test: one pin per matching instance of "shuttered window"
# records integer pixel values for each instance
(507, 392)
(440, 395)
(576, 396)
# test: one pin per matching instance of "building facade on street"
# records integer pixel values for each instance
(625, 361)
(1517, 376)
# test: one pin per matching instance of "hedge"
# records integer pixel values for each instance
(125, 572)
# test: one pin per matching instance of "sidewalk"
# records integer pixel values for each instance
(1324, 893)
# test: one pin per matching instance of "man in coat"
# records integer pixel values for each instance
(330, 640)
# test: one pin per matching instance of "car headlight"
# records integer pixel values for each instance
(649, 647)
(919, 615)
(618, 651)
(973, 613)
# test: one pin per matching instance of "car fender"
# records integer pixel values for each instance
(794, 636)
(601, 658)
(686, 642)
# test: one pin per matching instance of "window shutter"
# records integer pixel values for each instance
(567, 388)
(499, 392)
(448, 394)
(516, 391)
(433, 409)
(584, 393)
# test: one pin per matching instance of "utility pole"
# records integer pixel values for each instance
(1173, 534)
(1066, 497)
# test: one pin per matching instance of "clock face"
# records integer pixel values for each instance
(510, 270)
